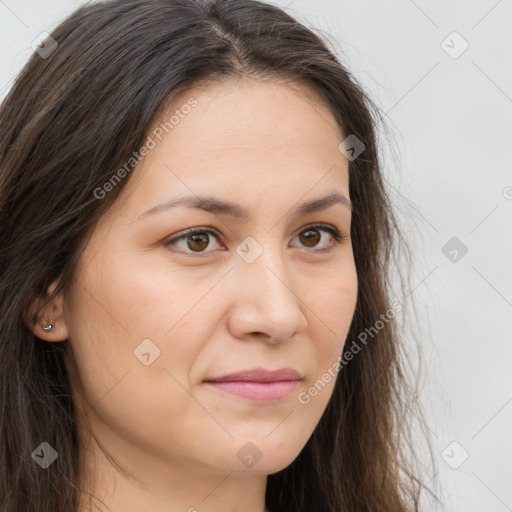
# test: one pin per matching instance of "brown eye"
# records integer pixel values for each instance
(197, 240)
(310, 237)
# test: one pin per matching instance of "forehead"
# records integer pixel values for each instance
(254, 112)
(243, 138)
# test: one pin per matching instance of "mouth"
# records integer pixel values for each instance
(259, 385)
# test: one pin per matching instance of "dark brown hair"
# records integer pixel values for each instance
(69, 122)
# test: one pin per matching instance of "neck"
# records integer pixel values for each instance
(150, 482)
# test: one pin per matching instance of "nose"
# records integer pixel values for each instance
(265, 303)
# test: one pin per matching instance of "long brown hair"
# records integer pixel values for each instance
(78, 113)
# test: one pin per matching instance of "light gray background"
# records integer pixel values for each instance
(452, 119)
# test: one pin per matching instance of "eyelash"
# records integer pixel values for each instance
(335, 233)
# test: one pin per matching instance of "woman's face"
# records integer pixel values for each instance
(153, 314)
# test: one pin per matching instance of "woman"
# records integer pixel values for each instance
(195, 242)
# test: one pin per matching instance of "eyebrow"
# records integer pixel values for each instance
(218, 206)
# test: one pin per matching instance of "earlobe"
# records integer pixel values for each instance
(51, 331)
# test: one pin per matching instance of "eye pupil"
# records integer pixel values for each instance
(312, 239)
(201, 239)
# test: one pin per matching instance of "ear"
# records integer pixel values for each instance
(51, 313)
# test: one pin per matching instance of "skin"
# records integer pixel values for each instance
(268, 146)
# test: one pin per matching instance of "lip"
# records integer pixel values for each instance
(260, 375)
(258, 384)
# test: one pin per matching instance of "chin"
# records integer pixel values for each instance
(250, 460)
(268, 467)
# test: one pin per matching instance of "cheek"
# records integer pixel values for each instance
(108, 324)
(332, 304)
(157, 298)
(124, 315)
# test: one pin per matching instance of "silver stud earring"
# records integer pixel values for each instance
(48, 328)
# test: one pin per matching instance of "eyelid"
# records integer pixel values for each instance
(338, 235)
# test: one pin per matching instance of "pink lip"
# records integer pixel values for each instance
(259, 384)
